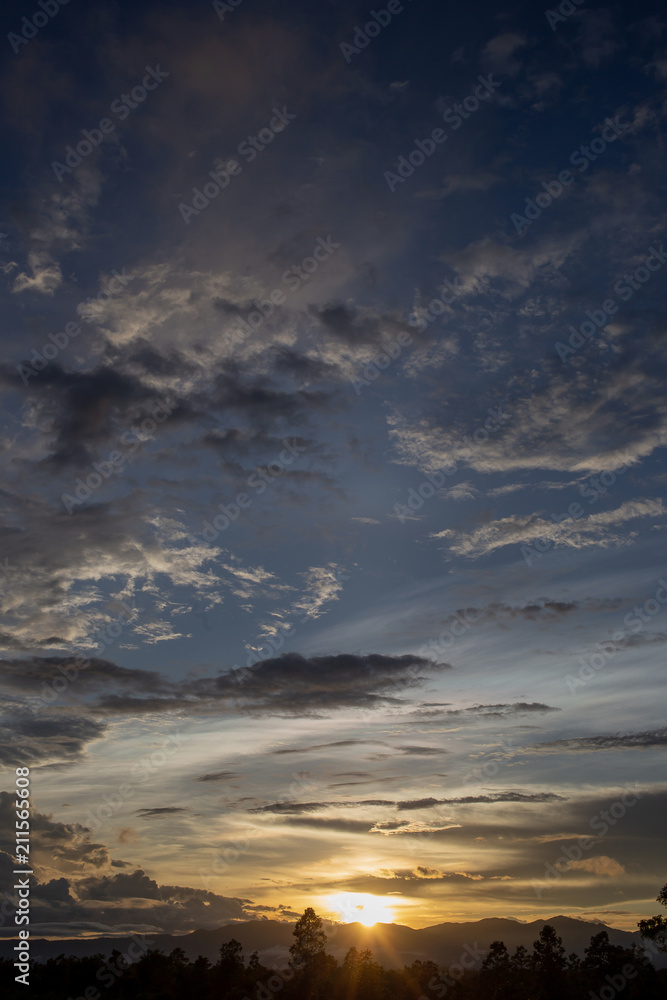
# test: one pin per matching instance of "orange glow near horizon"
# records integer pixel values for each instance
(361, 907)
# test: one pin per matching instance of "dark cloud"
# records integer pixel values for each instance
(52, 842)
(509, 796)
(653, 739)
(135, 886)
(218, 776)
(408, 750)
(236, 443)
(294, 684)
(82, 411)
(302, 367)
(161, 811)
(263, 402)
(503, 710)
(88, 895)
(289, 808)
(477, 712)
(44, 737)
(290, 684)
(336, 825)
(354, 327)
(325, 746)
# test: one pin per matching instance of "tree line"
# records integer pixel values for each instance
(311, 973)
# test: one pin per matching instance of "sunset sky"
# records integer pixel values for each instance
(357, 455)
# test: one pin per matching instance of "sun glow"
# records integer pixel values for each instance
(361, 907)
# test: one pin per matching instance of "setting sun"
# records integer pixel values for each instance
(361, 907)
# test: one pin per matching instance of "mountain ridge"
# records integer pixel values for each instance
(393, 945)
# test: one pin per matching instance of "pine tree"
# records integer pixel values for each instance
(310, 940)
(655, 928)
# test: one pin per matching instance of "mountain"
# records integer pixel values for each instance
(393, 945)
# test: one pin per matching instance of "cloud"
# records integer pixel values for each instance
(295, 808)
(476, 180)
(293, 684)
(323, 584)
(498, 711)
(290, 684)
(601, 865)
(330, 823)
(410, 750)
(579, 421)
(218, 776)
(650, 740)
(69, 569)
(593, 530)
(462, 491)
(499, 51)
(326, 746)
(56, 224)
(422, 873)
(45, 737)
(507, 796)
(161, 811)
(77, 890)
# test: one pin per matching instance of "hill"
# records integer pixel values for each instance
(393, 945)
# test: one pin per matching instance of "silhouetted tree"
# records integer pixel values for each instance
(521, 964)
(606, 970)
(310, 939)
(655, 928)
(496, 974)
(549, 965)
(313, 968)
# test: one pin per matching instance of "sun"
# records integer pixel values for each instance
(361, 907)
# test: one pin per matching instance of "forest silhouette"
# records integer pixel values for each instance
(604, 972)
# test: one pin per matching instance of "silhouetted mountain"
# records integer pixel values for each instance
(392, 945)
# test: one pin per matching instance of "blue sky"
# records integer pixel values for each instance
(265, 437)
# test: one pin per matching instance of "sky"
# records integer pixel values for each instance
(332, 442)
